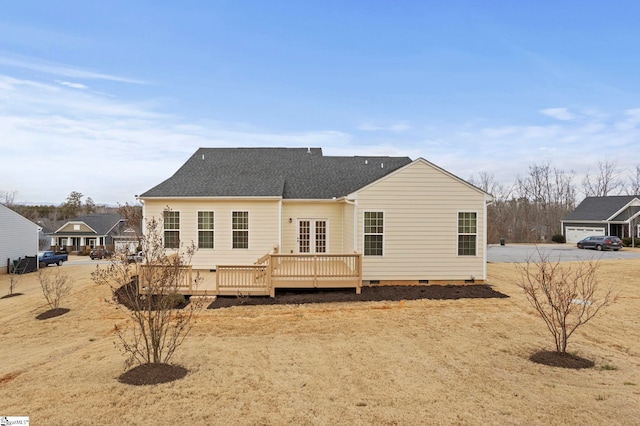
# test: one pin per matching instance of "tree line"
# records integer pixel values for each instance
(52, 215)
(530, 210)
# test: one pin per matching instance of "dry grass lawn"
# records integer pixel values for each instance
(413, 362)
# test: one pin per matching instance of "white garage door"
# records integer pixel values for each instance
(576, 233)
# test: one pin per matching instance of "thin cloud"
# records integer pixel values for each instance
(63, 70)
(399, 127)
(72, 85)
(562, 114)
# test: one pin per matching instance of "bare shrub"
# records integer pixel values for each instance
(14, 280)
(55, 286)
(565, 296)
(150, 293)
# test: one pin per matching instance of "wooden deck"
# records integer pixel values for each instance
(275, 271)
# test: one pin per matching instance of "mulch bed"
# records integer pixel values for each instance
(127, 295)
(562, 360)
(52, 313)
(6, 296)
(152, 374)
(369, 294)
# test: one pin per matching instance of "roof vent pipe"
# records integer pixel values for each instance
(366, 161)
(382, 165)
(308, 150)
(203, 156)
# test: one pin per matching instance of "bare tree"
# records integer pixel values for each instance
(545, 196)
(89, 206)
(8, 197)
(604, 182)
(55, 286)
(14, 280)
(565, 296)
(634, 182)
(151, 292)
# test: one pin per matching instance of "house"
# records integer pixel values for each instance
(86, 232)
(19, 238)
(611, 215)
(403, 221)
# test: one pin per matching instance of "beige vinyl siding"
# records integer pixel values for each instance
(330, 210)
(70, 227)
(421, 204)
(348, 228)
(263, 228)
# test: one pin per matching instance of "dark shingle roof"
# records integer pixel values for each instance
(99, 222)
(297, 173)
(599, 208)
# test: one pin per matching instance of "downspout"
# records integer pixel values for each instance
(486, 247)
(280, 226)
(354, 203)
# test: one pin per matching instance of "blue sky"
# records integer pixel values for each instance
(110, 98)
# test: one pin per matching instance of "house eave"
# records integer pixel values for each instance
(216, 198)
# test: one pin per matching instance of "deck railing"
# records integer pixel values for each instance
(291, 271)
(178, 280)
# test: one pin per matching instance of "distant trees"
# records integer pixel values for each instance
(604, 182)
(531, 209)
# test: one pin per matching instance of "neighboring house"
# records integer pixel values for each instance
(86, 232)
(410, 221)
(613, 215)
(19, 238)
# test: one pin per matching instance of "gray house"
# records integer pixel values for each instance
(87, 232)
(19, 237)
(614, 215)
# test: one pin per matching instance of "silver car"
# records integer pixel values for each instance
(606, 242)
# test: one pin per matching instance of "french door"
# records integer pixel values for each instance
(312, 235)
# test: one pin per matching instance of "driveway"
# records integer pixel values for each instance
(554, 252)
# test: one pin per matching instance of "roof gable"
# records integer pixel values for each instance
(100, 224)
(292, 173)
(18, 216)
(488, 197)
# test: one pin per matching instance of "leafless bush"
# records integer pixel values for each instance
(565, 296)
(14, 280)
(55, 286)
(151, 291)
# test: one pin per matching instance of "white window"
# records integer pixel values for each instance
(467, 233)
(373, 233)
(171, 229)
(205, 230)
(240, 229)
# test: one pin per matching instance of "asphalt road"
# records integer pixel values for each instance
(554, 252)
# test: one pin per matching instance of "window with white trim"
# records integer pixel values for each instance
(240, 229)
(205, 230)
(373, 233)
(467, 233)
(171, 227)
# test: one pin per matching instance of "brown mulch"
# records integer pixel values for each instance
(52, 313)
(127, 295)
(152, 374)
(369, 294)
(6, 296)
(562, 360)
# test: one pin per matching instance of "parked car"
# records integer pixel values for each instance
(99, 253)
(46, 258)
(135, 258)
(606, 242)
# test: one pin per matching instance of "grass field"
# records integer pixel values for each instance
(388, 363)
